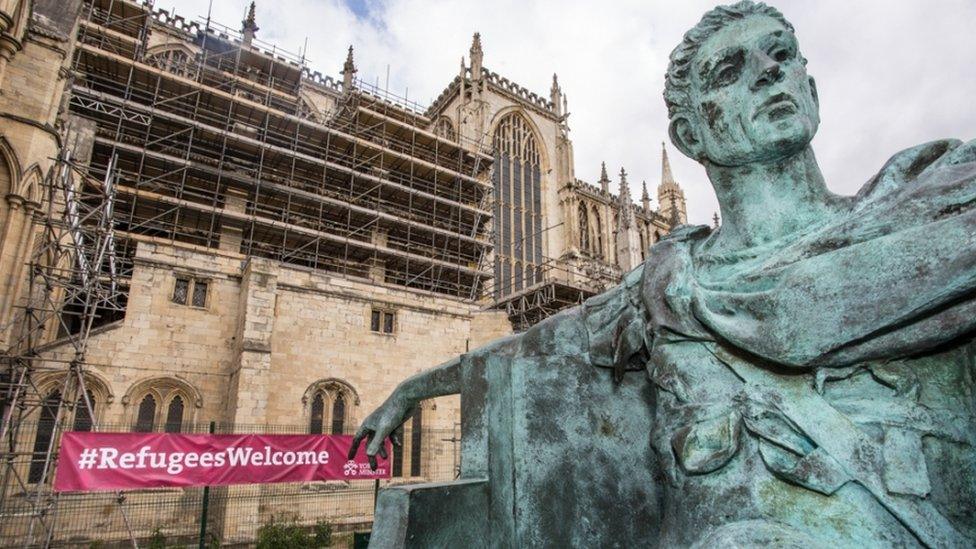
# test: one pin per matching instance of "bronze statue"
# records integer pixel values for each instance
(810, 362)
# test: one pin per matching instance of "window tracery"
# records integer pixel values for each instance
(584, 229)
(518, 204)
(330, 404)
(445, 128)
(173, 59)
(161, 404)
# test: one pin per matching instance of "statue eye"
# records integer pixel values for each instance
(725, 75)
(782, 55)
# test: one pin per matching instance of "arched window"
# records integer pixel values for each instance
(643, 245)
(614, 228)
(43, 437)
(327, 403)
(173, 59)
(316, 415)
(6, 378)
(146, 418)
(162, 403)
(584, 229)
(174, 415)
(517, 179)
(338, 414)
(445, 128)
(307, 110)
(597, 234)
(83, 418)
(8, 179)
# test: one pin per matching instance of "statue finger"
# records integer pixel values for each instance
(375, 442)
(356, 440)
(382, 451)
(372, 462)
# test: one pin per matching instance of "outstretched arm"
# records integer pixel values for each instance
(439, 381)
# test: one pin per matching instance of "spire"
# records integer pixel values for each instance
(670, 197)
(666, 177)
(624, 189)
(645, 198)
(348, 71)
(604, 180)
(626, 216)
(477, 56)
(248, 26)
(555, 95)
(674, 217)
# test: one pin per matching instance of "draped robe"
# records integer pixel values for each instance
(818, 389)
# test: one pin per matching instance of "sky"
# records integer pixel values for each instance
(890, 74)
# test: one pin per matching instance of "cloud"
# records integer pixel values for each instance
(890, 74)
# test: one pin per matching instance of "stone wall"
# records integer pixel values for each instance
(267, 333)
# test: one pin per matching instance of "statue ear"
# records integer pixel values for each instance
(685, 137)
(813, 91)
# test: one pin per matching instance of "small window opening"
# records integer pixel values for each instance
(181, 290)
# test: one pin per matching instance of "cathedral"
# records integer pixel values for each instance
(201, 228)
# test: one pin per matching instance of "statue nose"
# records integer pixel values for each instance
(769, 75)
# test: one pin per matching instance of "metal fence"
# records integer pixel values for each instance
(228, 515)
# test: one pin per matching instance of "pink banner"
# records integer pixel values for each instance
(122, 461)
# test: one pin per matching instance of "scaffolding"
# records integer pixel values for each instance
(220, 148)
(73, 286)
(214, 145)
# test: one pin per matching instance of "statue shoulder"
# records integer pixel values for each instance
(668, 276)
(906, 166)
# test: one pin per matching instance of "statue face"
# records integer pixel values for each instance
(752, 98)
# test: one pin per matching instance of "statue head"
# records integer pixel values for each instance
(737, 88)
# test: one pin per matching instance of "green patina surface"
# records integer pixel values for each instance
(809, 365)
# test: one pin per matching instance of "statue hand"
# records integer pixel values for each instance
(379, 425)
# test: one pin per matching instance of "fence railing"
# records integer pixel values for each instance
(173, 516)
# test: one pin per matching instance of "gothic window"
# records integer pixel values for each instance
(330, 405)
(643, 245)
(162, 404)
(307, 110)
(76, 417)
(597, 234)
(43, 438)
(174, 60)
(518, 275)
(584, 229)
(174, 415)
(5, 380)
(445, 128)
(147, 414)
(316, 414)
(615, 237)
(518, 203)
(83, 418)
(338, 414)
(416, 441)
